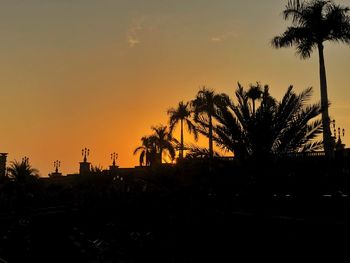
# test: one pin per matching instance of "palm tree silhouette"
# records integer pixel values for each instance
(22, 172)
(313, 23)
(163, 141)
(25, 179)
(153, 146)
(204, 107)
(182, 114)
(254, 93)
(275, 128)
(147, 151)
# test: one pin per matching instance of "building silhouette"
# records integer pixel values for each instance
(85, 165)
(3, 157)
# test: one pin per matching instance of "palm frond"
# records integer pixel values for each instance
(142, 157)
(199, 152)
(294, 9)
(276, 127)
(140, 148)
(192, 128)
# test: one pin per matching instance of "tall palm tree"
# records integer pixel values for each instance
(204, 107)
(254, 93)
(147, 151)
(182, 114)
(313, 23)
(275, 128)
(163, 141)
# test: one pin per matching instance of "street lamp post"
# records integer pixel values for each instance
(85, 165)
(85, 153)
(56, 165)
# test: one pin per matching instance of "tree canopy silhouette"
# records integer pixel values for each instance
(182, 114)
(153, 146)
(147, 151)
(313, 23)
(204, 107)
(22, 172)
(275, 128)
(254, 93)
(163, 141)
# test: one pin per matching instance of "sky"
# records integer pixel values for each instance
(100, 73)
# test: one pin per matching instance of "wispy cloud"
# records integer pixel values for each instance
(216, 39)
(133, 32)
(224, 36)
(133, 41)
(230, 29)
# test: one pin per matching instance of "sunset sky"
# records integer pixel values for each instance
(100, 73)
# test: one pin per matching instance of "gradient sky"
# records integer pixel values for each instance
(99, 73)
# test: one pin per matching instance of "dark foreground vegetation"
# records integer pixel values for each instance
(199, 210)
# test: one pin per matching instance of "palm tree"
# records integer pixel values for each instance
(182, 114)
(25, 181)
(163, 141)
(275, 128)
(313, 23)
(153, 146)
(254, 93)
(22, 172)
(204, 107)
(147, 151)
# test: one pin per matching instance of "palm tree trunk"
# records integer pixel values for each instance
(182, 141)
(327, 136)
(253, 106)
(160, 155)
(211, 153)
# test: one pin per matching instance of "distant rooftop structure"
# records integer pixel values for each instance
(84, 165)
(337, 137)
(114, 157)
(3, 157)
(56, 173)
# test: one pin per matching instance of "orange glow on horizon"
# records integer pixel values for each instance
(99, 75)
